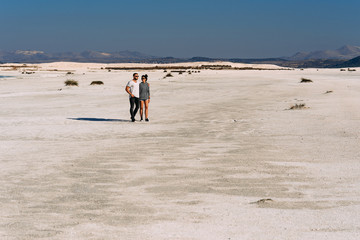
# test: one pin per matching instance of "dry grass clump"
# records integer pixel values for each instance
(264, 200)
(342, 70)
(71, 82)
(351, 70)
(305, 80)
(69, 73)
(298, 106)
(328, 92)
(168, 75)
(96, 83)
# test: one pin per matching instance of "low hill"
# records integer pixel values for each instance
(345, 52)
(355, 62)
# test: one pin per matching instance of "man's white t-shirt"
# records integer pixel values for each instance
(134, 88)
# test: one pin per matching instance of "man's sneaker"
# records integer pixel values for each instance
(146, 119)
(133, 119)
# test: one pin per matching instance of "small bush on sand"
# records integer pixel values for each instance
(305, 80)
(297, 106)
(69, 73)
(328, 92)
(71, 82)
(351, 70)
(168, 75)
(165, 70)
(96, 83)
(262, 201)
(342, 70)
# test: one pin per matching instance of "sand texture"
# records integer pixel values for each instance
(223, 157)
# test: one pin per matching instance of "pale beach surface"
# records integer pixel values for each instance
(74, 167)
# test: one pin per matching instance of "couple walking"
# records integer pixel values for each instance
(139, 94)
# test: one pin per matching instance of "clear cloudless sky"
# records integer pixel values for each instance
(187, 28)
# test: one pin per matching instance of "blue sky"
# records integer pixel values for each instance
(209, 28)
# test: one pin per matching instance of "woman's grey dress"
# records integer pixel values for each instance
(144, 91)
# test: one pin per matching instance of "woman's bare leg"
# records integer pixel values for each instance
(146, 108)
(142, 109)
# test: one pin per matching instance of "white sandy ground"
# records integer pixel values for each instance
(87, 66)
(74, 167)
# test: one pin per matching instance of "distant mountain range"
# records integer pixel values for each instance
(345, 52)
(355, 62)
(86, 56)
(346, 56)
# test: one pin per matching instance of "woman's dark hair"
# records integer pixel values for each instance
(144, 76)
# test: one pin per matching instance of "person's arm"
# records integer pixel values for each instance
(127, 89)
(140, 90)
(149, 91)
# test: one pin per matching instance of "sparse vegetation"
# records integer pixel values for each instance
(168, 75)
(264, 200)
(351, 70)
(96, 83)
(298, 106)
(69, 73)
(305, 80)
(202, 67)
(71, 82)
(165, 70)
(342, 70)
(328, 92)
(178, 71)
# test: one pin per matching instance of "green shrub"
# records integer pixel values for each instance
(297, 106)
(305, 80)
(96, 83)
(71, 82)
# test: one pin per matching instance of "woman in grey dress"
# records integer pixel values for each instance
(144, 89)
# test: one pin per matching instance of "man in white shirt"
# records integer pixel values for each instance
(132, 88)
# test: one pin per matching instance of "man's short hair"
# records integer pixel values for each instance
(134, 74)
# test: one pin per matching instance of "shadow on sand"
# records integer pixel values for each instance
(100, 119)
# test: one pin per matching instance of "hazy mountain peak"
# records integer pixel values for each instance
(345, 52)
(35, 56)
(347, 49)
(28, 52)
